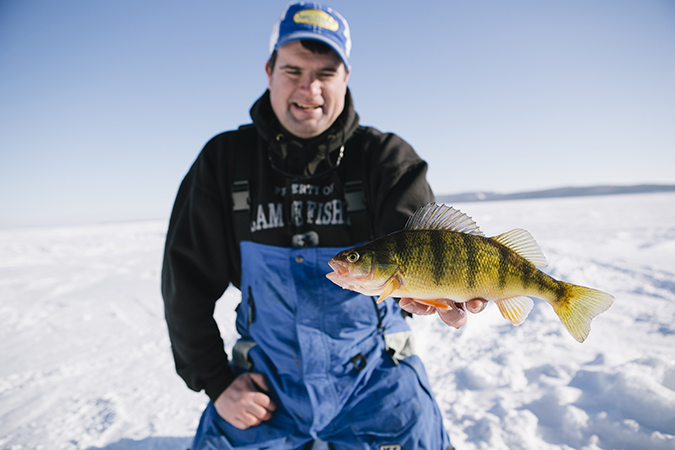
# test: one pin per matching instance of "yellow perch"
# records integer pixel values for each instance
(442, 254)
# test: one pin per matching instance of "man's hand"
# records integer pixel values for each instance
(453, 317)
(245, 402)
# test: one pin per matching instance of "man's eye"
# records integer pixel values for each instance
(292, 72)
(325, 75)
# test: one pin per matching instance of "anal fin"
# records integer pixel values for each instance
(515, 309)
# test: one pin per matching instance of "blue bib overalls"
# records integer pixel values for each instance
(324, 353)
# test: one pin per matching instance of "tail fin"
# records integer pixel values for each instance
(579, 307)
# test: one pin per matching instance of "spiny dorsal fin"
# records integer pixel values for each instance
(433, 216)
(522, 242)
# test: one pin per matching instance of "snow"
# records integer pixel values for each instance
(85, 361)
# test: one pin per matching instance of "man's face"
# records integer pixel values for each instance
(307, 90)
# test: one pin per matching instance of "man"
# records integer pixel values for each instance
(314, 362)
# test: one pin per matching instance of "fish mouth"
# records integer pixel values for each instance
(366, 284)
(340, 268)
(344, 277)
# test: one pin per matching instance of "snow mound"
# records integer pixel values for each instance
(85, 361)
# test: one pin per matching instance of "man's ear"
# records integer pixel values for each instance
(268, 71)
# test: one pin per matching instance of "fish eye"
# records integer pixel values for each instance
(353, 257)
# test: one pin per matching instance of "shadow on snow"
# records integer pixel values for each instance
(150, 443)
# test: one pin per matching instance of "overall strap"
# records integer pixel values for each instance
(354, 171)
(242, 148)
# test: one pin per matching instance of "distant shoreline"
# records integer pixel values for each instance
(467, 197)
(555, 193)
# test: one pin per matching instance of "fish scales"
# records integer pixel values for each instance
(443, 255)
(445, 263)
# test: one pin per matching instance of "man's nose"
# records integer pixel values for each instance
(311, 84)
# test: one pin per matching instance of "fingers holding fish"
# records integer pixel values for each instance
(414, 307)
(456, 317)
(476, 305)
(453, 317)
(452, 313)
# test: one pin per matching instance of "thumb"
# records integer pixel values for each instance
(259, 381)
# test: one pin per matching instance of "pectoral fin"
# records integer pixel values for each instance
(433, 302)
(515, 309)
(391, 286)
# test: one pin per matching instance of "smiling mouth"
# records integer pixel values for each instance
(308, 107)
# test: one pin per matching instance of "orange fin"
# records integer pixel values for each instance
(390, 287)
(433, 302)
(515, 309)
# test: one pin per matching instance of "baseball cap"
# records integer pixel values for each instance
(313, 21)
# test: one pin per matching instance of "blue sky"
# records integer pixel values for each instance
(104, 105)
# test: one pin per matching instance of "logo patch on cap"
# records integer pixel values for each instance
(316, 18)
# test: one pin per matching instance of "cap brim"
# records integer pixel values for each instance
(304, 35)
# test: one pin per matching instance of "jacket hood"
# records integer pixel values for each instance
(302, 156)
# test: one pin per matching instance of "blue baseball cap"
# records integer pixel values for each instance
(313, 21)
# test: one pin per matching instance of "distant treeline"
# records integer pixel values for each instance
(554, 193)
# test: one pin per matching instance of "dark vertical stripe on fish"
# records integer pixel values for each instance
(437, 244)
(561, 291)
(503, 264)
(455, 253)
(400, 248)
(471, 261)
(546, 284)
(416, 251)
(526, 272)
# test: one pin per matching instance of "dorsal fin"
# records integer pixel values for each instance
(433, 216)
(522, 242)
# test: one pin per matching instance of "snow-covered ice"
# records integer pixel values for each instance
(85, 361)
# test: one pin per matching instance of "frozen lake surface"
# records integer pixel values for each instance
(85, 361)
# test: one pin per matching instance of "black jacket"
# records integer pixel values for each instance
(202, 254)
